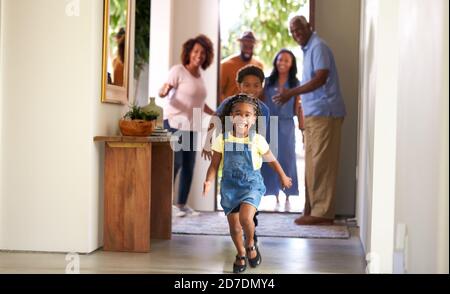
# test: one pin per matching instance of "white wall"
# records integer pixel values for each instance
(366, 119)
(1, 129)
(443, 225)
(51, 172)
(405, 88)
(184, 19)
(160, 43)
(422, 135)
(337, 23)
(141, 87)
(385, 132)
(192, 18)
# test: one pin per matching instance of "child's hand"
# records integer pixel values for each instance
(286, 182)
(207, 155)
(206, 187)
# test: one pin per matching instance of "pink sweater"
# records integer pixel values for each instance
(188, 93)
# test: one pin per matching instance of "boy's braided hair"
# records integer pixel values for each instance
(239, 98)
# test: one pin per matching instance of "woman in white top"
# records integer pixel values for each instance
(187, 93)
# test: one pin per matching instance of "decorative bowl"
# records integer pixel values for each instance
(137, 127)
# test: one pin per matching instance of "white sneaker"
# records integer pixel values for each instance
(178, 212)
(189, 211)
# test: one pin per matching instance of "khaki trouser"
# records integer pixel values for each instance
(322, 147)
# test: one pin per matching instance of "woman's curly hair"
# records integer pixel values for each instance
(205, 42)
(239, 98)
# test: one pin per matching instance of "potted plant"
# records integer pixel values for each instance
(137, 122)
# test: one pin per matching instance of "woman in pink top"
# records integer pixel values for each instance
(187, 92)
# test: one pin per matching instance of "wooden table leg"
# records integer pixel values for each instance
(127, 197)
(162, 190)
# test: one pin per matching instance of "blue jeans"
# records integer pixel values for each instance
(184, 161)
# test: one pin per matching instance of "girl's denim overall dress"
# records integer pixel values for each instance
(240, 182)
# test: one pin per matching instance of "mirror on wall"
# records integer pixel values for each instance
(116, 51)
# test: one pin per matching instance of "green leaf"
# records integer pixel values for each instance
(136, 112)
(268, 19)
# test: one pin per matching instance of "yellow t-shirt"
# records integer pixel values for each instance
(258, 147)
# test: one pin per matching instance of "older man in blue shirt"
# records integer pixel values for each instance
(324, 111)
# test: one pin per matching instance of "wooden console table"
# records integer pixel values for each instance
(138, 191)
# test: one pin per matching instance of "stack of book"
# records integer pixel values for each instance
(158, 132)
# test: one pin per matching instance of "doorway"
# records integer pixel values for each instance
(237, 16)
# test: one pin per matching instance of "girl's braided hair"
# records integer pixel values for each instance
(239, 98)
